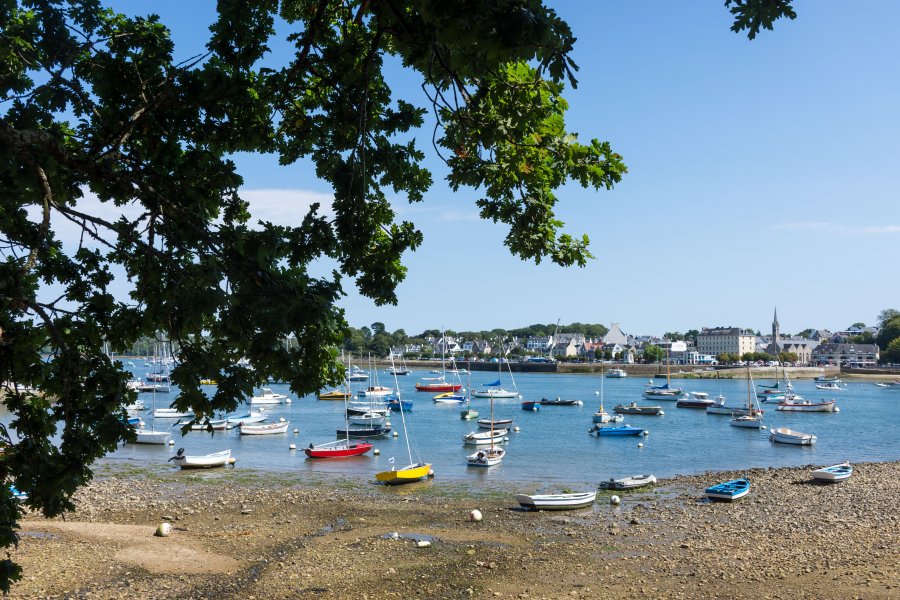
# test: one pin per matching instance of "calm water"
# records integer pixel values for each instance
(552, 444)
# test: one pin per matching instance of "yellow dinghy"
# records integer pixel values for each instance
(407, 474)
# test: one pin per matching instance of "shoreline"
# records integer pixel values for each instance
(276, 536)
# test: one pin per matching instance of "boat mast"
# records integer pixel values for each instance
(402, 417)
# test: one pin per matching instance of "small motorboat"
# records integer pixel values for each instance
(532, 405)
(556, 501)
(694, 400)
(628, 483)
(831, 385)
(485, 437)
(376, 391)
(267, 429)
(795, 405)
(783, 435)
(560, 402)
(617, 430)
(449, 398)
(638, 409)
(728, 491)
(267, 396)
(834, 473)
(206, 461)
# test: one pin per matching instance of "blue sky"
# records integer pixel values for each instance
(761, 174)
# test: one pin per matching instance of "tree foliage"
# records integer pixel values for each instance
(97, 111)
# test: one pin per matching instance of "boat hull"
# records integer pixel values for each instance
(486, 458)
(494, 394)
(728, 491)
(338, 450)
(271, 429)
(628, 483)
(151, 437)
(438, 387)
(556, 501)
(787, 436)
(208, 461)
(636, 409)
(408, 474)
(807, 406)
(834, 473)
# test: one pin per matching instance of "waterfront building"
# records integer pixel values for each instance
(734, 340)
(846, 355)
(615, 336)
(540, 343)
(567, 344)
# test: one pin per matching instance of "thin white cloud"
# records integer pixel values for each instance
(874, 230)
(285, 206)
(837, 229)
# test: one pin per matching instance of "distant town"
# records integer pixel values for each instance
(857, 346)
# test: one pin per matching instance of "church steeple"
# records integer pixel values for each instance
(776, 330)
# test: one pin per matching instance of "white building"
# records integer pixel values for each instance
(715, 340)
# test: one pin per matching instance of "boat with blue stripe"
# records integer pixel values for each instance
(730, 490)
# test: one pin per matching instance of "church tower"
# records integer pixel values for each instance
(776, 331)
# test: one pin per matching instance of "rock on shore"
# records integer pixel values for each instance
(261, 538)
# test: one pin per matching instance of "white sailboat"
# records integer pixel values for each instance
(601, 416)
(490, 456)
(493, 389)
(151, 436)
(752, 419)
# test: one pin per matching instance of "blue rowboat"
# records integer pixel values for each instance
(730, 490)
(617, 430)
(834, 473)
(531, 405)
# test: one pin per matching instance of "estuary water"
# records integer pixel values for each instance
(552, 445)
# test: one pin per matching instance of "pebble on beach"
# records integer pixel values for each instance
(163, 530)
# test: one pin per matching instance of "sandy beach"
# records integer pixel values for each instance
(257, 535)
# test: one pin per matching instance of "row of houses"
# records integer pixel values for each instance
(821, 348)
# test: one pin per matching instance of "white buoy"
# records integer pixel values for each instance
(376, 451)
(475, 515)
(661, 413)
(614, 500)
(646, 432)
(596, 393)
(293, 446)
(640, 445)
(580, 403)
(506, 439)
(396, 434)
(163, 530)
(171, 442)
(288, 401)
(836, 409)
(281, 419)
(296, 431)
(516, 429)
